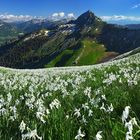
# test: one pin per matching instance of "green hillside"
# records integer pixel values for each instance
(88, 53)
(8, 32)
(86, 102)
(85, 41)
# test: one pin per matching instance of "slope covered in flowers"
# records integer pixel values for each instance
(89, 102)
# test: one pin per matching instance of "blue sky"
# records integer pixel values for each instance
(110, 10)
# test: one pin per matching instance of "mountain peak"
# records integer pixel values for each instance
(89, 12)
(87, 18)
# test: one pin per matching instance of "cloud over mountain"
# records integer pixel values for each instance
(71, 15)
(120, 18)
(15, 18)
(20, 18)
(61, 15)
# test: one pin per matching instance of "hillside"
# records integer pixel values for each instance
(39, 24)
(86, 40)
(11, 31)
(8, 32)
(133, 26)
(89, 53)
(68, 103)
(132, 52)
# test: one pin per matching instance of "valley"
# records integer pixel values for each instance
(86, 40)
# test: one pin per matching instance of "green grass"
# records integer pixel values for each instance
(92, 53)
(89, 53)
(59, 57)
(23, 93)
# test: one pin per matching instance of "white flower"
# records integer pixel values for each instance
(9, 97)
(129, 125)
(134, 121)
(13, 109)
(103, 107)
(80, 135)
(22, 126)
(55, 104)
(98, 135)
(77, 112)
(31, 135)
(67, 116)
(90, 113)
(84, 120)
(103, 97)
(40, 116)
(47, 111)
(87, 92)
(125, 114)
(85, 106)
(129, 136)
(3, 111)
(110, 108)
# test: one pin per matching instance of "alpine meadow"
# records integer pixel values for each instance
(68, 73)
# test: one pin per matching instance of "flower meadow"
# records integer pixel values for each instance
(100, 102)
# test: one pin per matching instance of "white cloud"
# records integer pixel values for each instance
(136, 6)
(58, 15)
(61, 15)
(20, 18)
(55, 15)
(15, 18)
(120, 18)
(71, 15)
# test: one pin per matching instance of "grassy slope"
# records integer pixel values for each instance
(74, 88)
(90, 53)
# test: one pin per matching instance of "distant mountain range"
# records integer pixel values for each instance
(84, 41)
(133, 26)
(7, 32)
(12, 30)
(38, 24)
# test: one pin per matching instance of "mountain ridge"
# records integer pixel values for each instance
(86, 39)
